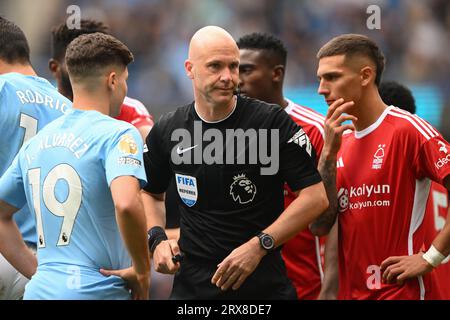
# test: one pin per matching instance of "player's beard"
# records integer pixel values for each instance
(66, 85)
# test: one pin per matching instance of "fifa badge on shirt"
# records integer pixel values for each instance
(378, 157)
(242, 189)
(187, 189)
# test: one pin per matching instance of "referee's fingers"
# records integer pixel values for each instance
(219, 272)
(239, 281)
(226, 275)
(229, 281)
(174, 247)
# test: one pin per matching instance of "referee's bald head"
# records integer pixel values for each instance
(209, 39)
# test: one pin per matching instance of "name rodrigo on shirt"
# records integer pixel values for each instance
(29, 96)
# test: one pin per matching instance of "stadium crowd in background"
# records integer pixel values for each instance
(158, 36)
(387, 206)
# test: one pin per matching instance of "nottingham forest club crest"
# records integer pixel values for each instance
(242, 189)
(378, 157)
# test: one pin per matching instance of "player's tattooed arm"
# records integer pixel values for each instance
(334, 129)
(327, 169)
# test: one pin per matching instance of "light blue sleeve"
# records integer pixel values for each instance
(124, 156)
(11, 185)
(3, 109)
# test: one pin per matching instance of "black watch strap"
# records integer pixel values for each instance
(266, 241)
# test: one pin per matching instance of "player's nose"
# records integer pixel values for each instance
(323, 89)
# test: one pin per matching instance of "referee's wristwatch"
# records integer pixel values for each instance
(266, 241)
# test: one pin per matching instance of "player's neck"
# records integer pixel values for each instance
(87, 101)
(213, 113)
(25, 69)
(370, 108)
(283, 102)
(66, 93)
(278, 99)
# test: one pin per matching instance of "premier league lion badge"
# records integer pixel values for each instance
(242, 189)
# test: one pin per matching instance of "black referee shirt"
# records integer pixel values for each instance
(223, 203)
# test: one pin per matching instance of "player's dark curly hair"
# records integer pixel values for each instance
(62, 35)
(393, 93)
(14, 46)
(264, 41)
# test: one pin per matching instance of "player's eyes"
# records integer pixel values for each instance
(332, 77)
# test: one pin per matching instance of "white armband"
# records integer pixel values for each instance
(433, 256)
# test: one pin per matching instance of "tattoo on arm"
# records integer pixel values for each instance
(323, 224)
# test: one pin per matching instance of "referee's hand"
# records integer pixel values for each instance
(238, 265)
(162, 257)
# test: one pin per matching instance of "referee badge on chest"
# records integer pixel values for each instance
(187, 189)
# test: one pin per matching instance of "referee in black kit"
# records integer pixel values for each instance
(229, 156)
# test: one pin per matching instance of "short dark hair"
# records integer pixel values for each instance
(396, 94)
(14, 46)
(352, 45)
(264, 41)
(62, 36)
(88, 54)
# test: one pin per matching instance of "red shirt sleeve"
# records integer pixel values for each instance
(433, 160)
(133, 111)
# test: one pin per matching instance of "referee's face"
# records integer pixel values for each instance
(215, 73)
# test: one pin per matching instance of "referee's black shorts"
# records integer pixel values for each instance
(268, 282)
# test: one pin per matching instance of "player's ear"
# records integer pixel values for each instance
(53, 66)
(188, 67)
(367, 75)
(112, 80)
(278, 73)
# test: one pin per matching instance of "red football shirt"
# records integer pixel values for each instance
(383, 182)
(437, 209)
(134, 112)
(302, 254)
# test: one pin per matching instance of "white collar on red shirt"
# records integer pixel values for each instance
(290, 105)
(373, 126)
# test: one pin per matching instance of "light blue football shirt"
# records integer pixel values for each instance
(27, 104)
(64, 173)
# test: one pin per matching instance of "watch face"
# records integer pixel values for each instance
(267, 242)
